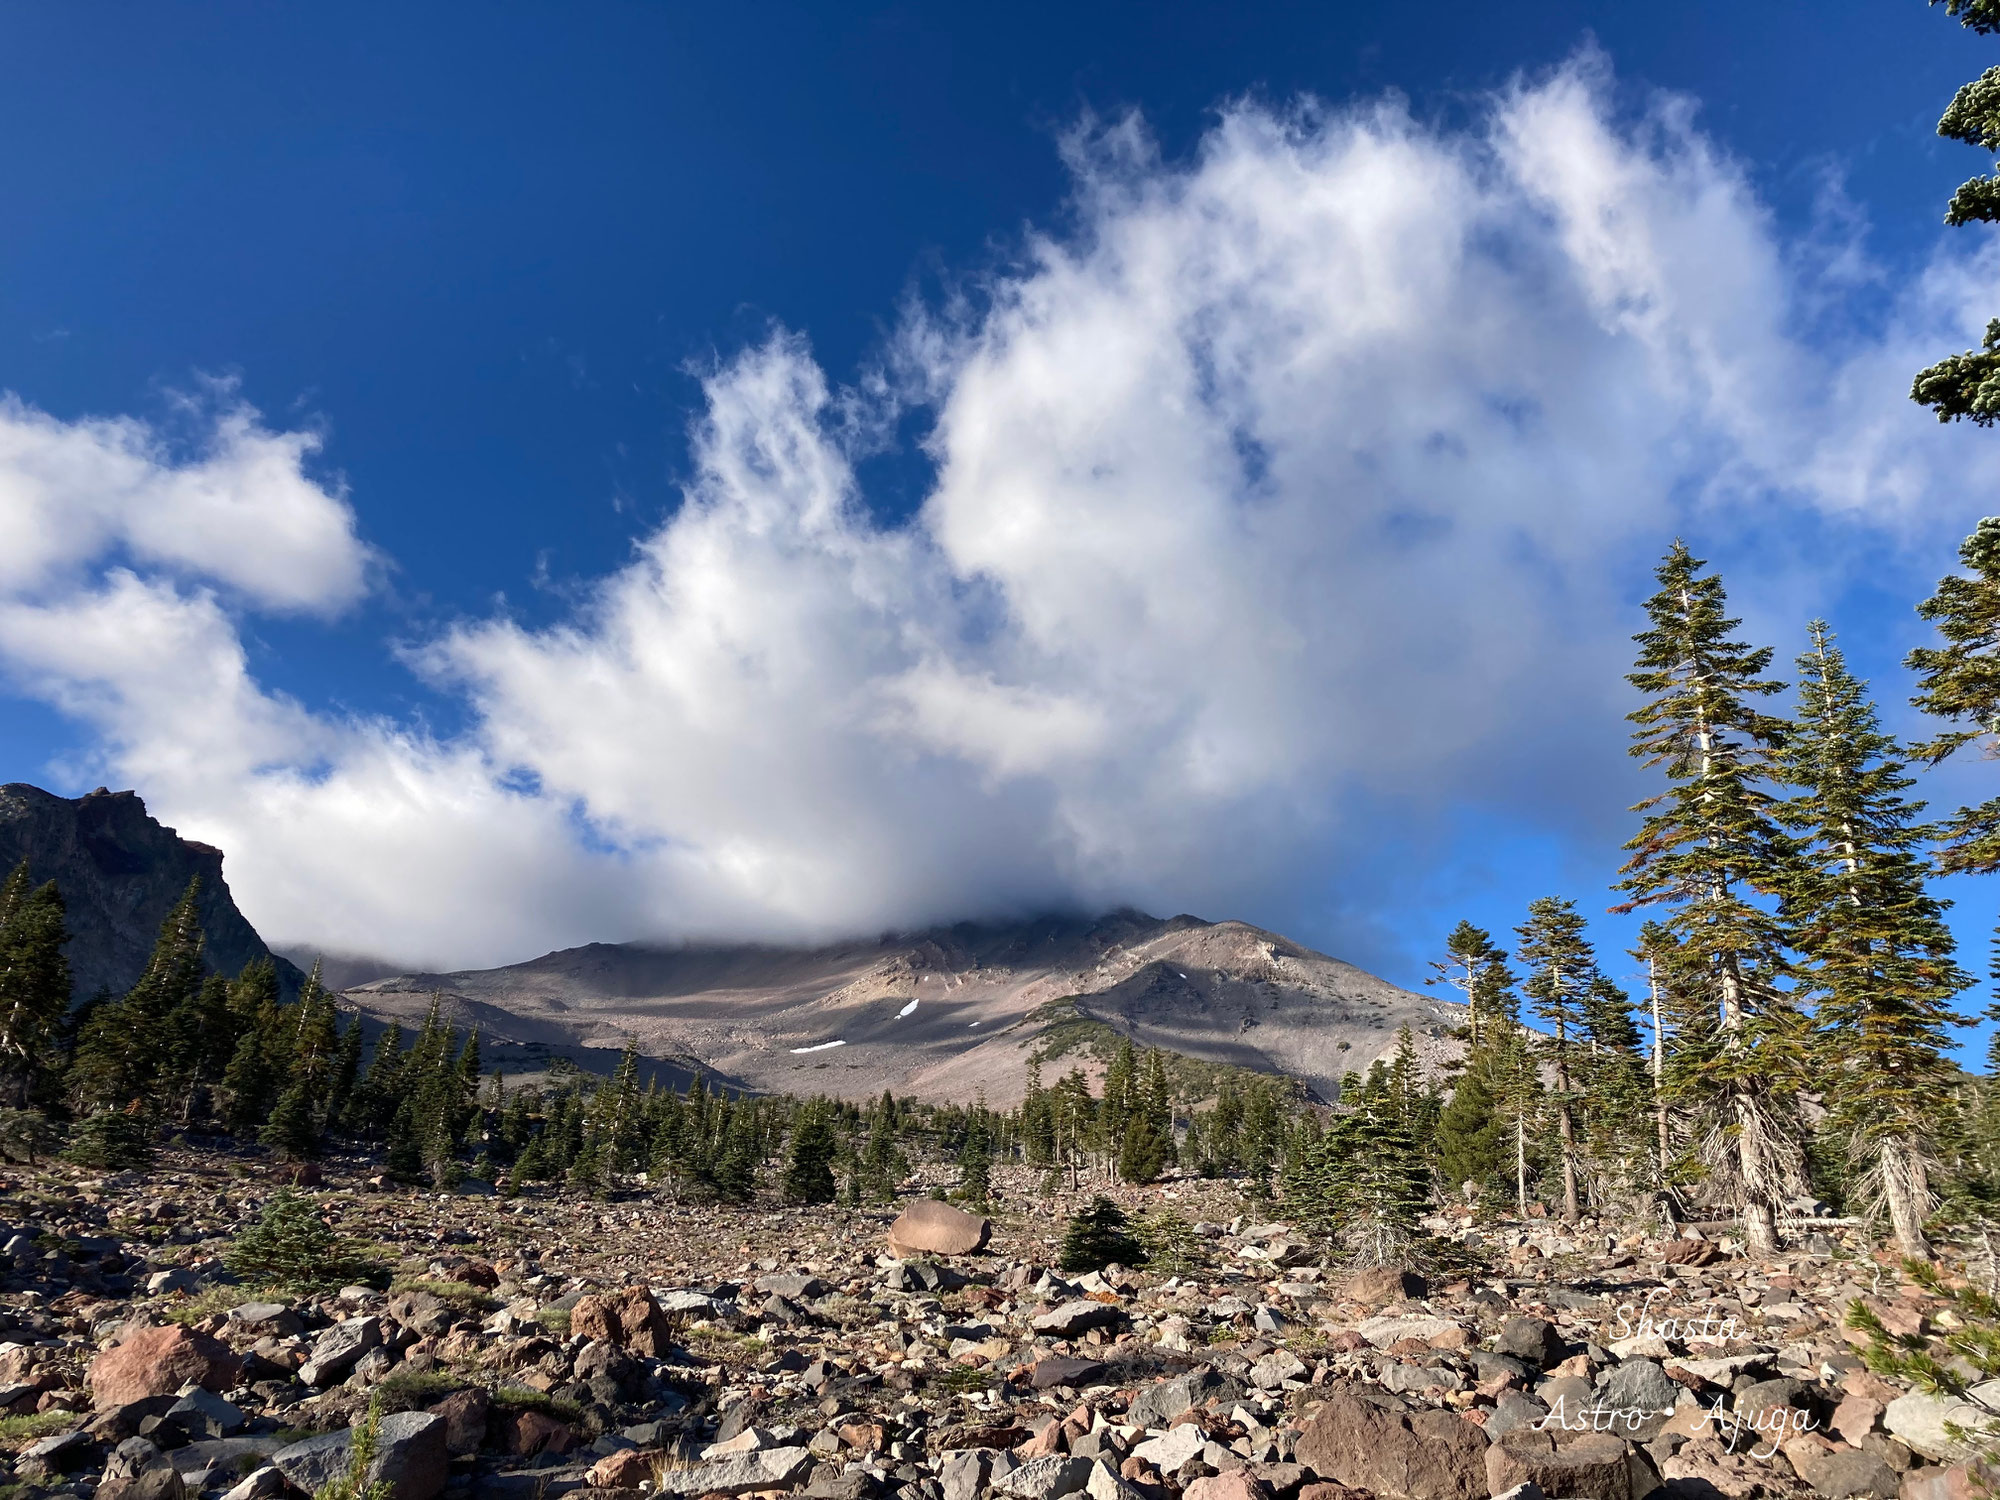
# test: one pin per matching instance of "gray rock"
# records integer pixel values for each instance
(687, 1304)
(1174, 1448)
(174, 1279)
(1853, 1475)
(266, 1483)
(1159, 1404)
(768, 1469)
(140, 1471)
(1408, 1379)
(65, 1450)
(1077, 1317)
(410, 1456)
(235, 1455)
(1920, 1420)
(1274, 1369)
(204, 1414)
(964, 1472)
(1047, 1478)
(1638, 1385)
(267, 1319)
(1268, 1319)
(1104, 1484)
(1532, 1339)
(336, 1351)
(796, 1288)
(1512, 1412)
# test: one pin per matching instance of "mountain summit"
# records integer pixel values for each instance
(120, 871)
(939, 1014)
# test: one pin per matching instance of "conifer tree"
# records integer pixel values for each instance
(122, 1053)
(1878, 954)
(1707, 848)
(1363, 1186)
(809, 1170)
(34, 984)
(1968, 385)
(1561, 968)
(1616, 1092)
(975, 1162)
(1099, 1236)
(1469, 958)
(1959, 682)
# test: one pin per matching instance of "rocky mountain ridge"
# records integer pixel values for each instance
(939, 1014)
(120, 872)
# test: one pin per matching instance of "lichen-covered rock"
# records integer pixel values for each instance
(928, 1227)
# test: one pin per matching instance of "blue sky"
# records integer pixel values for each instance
(456, 678)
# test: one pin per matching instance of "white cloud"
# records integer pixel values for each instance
(1288, 490)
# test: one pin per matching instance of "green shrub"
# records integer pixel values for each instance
(291, 1246)
(1098, 1236)
(111, 1141)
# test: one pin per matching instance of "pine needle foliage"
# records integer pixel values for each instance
(112, 1140)
(1955, 1361)
(1959, 683)
(1879, 958)
(291, 1246)
(1100, 1235)
(1708, 848)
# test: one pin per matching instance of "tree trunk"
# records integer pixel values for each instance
(1571, 1210)
(1521, 1165)
(1906, 1193)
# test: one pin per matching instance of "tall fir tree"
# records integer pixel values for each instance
(34, 985)
(1879, 958)
(123, 1051)
(1959, 682)
(1561, 969)
(1469, 959)
(1707, 849)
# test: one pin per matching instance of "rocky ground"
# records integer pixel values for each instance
(546, 1347)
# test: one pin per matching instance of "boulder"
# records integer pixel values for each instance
(1235, 1484)
(1382, 1332)
(158, 1362)
(768, 1469)
(266, 1319)
(628, 1469)
(1046, 1478)
(410, 1457)
(630, 1319)
(336, 1351)
(1045, 1373)
(1159, 1404)
(1426, 1455)
(1532, 1339)
(1638, 1385)
(1848, 1475)
(1072, 1318)
(928, 1227)
(1919, 1420)
(1948, 1482)
(1380, 1285)
(140, 1471)
(1593, 1466)
(464, 1414)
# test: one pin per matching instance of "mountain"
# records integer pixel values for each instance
(120, 872)
(940, 1014)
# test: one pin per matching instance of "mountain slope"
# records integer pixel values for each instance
(940, 1014)
(120, 872)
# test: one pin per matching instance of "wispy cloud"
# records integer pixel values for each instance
(1288, 494)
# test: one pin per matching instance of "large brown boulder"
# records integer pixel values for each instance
(158, 1362)
(928, 1227)
(1383, 1284)
(1592, 1466)
(629, 1320)
(1424, 1455)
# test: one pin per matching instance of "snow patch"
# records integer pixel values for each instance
(906, 1010)
(822, 1046)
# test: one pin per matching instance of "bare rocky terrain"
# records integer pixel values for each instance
(938, 1015)
(548, 1347)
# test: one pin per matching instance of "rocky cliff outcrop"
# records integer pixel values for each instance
(121, 871)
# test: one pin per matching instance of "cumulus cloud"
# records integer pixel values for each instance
(1285, 497)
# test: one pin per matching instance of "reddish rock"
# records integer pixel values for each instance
(629, 1470)
(1948, 1482)
(526, 1433)
(1595, 1466)
(464, 1414)
(158, 1362)
(1236, 1484)
(1384, 1284)
(1856, 1416)
(1425, 1455)
(864, 1437)
(928, 1227)
(629, 1320)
